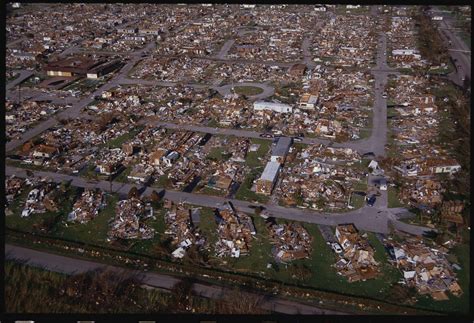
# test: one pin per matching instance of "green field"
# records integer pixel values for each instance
(117, 142)
(393, 200)
(245, 193)
(252, 159)
(218, 154)
(248, 90)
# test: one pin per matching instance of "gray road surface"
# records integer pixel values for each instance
(366, 218)
(71, 266)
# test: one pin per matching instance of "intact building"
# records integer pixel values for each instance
(273, 106)
(280, 150)
(81, 66)
(268, 179)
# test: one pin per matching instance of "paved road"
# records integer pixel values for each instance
(366, 218)
(75, 110)
(224, 131)
(268, 90)
(460, 51)
(70, 266)
(225, 49)
(378, 138)
(24, 74)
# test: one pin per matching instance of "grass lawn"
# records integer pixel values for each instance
(117, 142)
(391, 112)
(15, 221)
(393, 200)
(146, 246)
(260, 251)
(405, 70)
(94, 231)
(467, 39)
(357, 201)
(122, 177)
(244, 192)
(364, 133)
(213, 123)
(248, 90)
(218, 154)
(210, 191)
(325, 277)
(252, 156)
(163, 181)
(208, 227)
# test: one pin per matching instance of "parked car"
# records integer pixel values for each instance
(384, 95)
(266, 135)
(298, 139)
(371, 200)
(336, 247)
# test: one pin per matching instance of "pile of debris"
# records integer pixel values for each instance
(43, 197)
(235, 230)
(291, 241)
(357, 260)
(425, 268)
(128, 222)
(87, 207)
(180, 224)
(13, 188)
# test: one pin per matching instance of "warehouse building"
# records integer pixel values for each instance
(267, 181)
(280, 150)
(273, 106)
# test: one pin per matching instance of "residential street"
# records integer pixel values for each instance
(366, 218)
(459, 51)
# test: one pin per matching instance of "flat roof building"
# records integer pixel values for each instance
(273, 106)
(268, 178)
(280, 150)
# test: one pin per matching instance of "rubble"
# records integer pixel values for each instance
(87, 207)
(128, 222)
(235, 230)
(425, 268)
(357, 261)
(291, 241)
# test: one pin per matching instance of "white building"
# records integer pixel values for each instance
(308, 101)
(273, 106)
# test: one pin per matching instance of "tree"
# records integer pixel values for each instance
(155, 197)
(237, 302)
(181, 300)
(133, 193)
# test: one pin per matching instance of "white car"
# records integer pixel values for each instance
(336, 247)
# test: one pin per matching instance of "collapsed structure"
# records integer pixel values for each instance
(357, 262)
(181, 226)
(425, 268)
(128, 221)
(88, 206)
(235, 230)
(290, 241)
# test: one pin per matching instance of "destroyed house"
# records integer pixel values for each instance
(347, 235)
